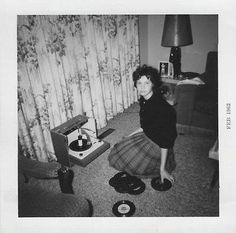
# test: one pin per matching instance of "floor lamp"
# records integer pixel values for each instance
(176, 33)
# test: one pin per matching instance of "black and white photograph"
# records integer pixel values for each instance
(165, 69)
(140, 149)
(119, 115)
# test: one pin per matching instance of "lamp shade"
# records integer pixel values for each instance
(177, 31)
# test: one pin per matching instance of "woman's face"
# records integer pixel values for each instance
(144, 87)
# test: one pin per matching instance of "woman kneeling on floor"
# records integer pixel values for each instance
(148, 152)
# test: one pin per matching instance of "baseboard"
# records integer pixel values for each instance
(187, 129)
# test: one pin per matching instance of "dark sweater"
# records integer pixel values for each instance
(158, 120)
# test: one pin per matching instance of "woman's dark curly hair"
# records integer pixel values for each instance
(150, 72)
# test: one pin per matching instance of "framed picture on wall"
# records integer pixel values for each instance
(166, 69)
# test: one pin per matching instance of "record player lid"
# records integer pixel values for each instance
(71, 124)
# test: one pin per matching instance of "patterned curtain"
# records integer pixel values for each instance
(70, 65)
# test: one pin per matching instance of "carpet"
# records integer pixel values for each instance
(190, 195)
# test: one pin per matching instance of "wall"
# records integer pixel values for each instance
(205, 38)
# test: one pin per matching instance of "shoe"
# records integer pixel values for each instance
(65, 179)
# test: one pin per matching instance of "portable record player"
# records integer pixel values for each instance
(76, 142)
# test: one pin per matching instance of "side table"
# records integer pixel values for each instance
(169, 80)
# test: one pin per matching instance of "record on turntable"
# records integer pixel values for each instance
(123, 208)
(82, 143)
(75, 147)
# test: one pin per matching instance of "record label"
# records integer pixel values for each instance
(123, 208)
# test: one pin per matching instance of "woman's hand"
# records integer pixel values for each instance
(165, 175)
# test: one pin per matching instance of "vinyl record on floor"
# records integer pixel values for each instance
(119, 178)
(137, 190)
(112, 182)
(159, 186)
(125, 183)
(123, 208)
(123, 188)
(134, 182)
(120, 181)
(122, 176)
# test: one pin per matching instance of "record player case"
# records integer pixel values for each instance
(65, 133)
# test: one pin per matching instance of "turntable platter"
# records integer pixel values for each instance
(75, 147)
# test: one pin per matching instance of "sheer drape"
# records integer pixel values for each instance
(70, 65)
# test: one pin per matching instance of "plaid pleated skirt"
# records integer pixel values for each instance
(139, 156)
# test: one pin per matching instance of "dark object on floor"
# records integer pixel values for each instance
(66, 176)
(125, 183)
(106, 133)
(39, 198)
(159, 186)
(123, 208)
(197, 105)
(119, 179)
(136, 190)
